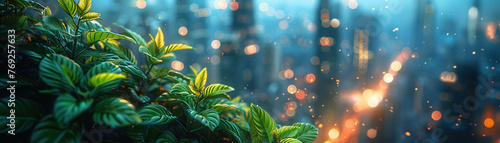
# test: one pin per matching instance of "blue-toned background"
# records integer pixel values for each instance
(360, 70)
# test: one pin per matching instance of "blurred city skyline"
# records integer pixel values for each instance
(360, 70)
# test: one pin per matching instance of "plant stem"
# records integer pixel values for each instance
(76, 35)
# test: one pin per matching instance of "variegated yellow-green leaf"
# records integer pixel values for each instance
(254, 134)
(307, 133)
(97, 36)
(91, 16)
(201, 79)
(285, 132)
(289, 140)
(216, 89)
(175, 47)
(103, 78)
(46, 12)
(263, 123)
(115, 112)
(84, 6)
(69, 6)
(222, 107)
(159, 40)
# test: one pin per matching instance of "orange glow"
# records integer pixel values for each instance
(177, 65)
(388, 78)
(300, 94)
(183, 31)
(310, 78)
(488, 122)
(436, 115)
(288, 73)
(373, 101)
(371, 133)
(290, 112)
(141, 4)
(334, 133)
(234, 6)
(349, 123)
(251, 49)
(326, 41)
(407, 134)
(490, 30)
(292, 105)
(215, 44)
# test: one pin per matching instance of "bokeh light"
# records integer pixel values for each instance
(183, 31)
(141, 4)
(436, 115)
(371, 133)
(388, 78)
(300, 94)
(292, 89)
(310, 78)
(334, 133)
(488, 122)
(177, 65)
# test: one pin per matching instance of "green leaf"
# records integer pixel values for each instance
(69, 6)
(104, 67)
(60, 72)
(208, 118)
(307, 133)
(84, 6)
(91, 26)
(49, 130)
(104, 78)
(290, 140)
(68, 108)
(201, 79)
(97, 36)
(179, 88)
(155, 114)
(174, 47)
(222, 107)
(150, 55)
(263, 123)
(159, 40)
(138, 38)
(175, 99)
(115, 112)
(26, 114)
(233, 129)
(216, 89)
(91, 16)
(178, 76)
(51, 22)
(130, 68)
(166, 137)
(285, 132)
(46, 12)
(254, 134)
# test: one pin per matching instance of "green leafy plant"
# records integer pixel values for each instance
(85, 78)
